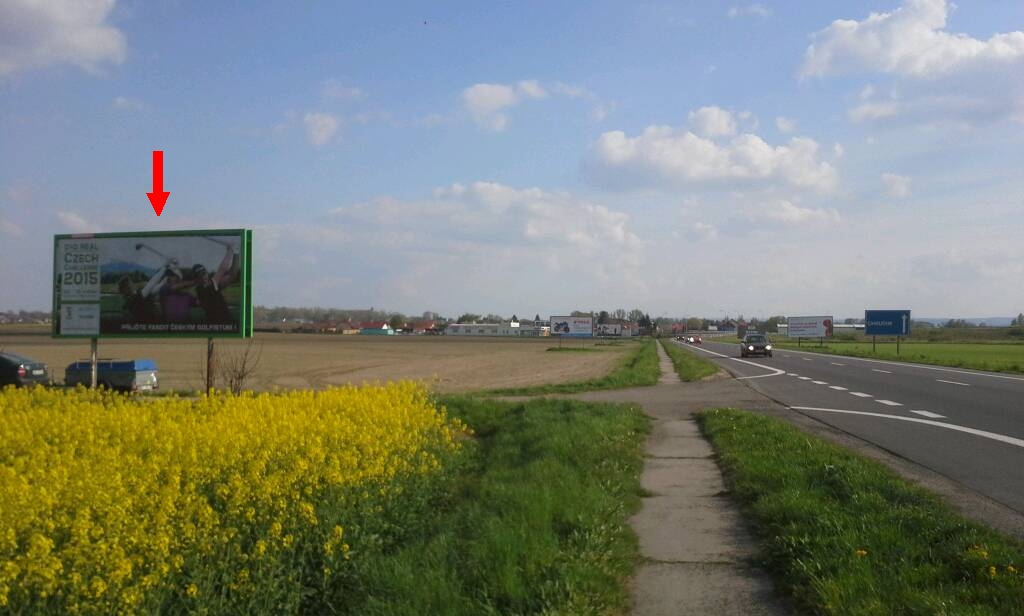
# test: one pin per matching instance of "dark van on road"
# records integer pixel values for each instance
(755, 344)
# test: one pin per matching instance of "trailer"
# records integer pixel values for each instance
(120, 375)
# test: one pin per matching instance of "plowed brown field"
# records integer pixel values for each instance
(447, 363)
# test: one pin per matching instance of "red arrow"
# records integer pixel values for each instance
(158, 197)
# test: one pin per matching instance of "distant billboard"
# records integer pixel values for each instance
(887, 322)
(572, 326)
(172, 283)
(809, 327)
(608, 329)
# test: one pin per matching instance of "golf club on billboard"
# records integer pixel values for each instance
(194, 283)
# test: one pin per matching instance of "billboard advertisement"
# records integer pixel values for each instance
(809, 327)
(608, 329)
(887, 322)
(173, 283)
(572, 326)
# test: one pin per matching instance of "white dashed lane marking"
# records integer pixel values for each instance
(954, 383)
(929, 414)
(819, 382)
(835, 363)
(804, 378)
(888, 402)
(882, 371)
(860, 394)
(837, 388)
(806, 359)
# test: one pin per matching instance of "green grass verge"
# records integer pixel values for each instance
(1004, 357)
(688, 365)
(638, 368)
(537, 521)
(844, 535)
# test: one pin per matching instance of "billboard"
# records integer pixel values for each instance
(809, 327)
(169, 283)
(608, 329)
(572, 326)
(887, 322)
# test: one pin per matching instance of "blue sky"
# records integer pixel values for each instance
(689, 159)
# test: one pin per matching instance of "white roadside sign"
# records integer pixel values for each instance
(809, 327)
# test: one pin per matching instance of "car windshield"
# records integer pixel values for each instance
(755, 338)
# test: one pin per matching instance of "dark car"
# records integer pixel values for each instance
(756, 344)
(22, 371)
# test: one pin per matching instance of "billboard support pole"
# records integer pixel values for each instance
(92, 362)
(209, 364)
(873, 339)
(897, 346)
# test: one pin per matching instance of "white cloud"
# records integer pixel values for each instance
(75, 223)
(874, 111)
(37, 34)
(907, 41)
(785, 125)
(488, 103)
(837, 150)
(332, 88)
(786, 213)
(712, 122)
(531, 89)
(751, 10)
(9, 228)
(896, 185)
(320, 127)
(705, 231)
(668, 156)
(485, 102)
(128, 104)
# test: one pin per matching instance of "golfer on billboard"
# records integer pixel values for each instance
(210, 289)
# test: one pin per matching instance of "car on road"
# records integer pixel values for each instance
(696, 340)
(22, 371)
(755, 344)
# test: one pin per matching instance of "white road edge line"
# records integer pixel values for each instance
(929, 414)
(775, 371)
(954, 383)
(905, 364)
(888, 403)
(861, 394)
(1016, 442)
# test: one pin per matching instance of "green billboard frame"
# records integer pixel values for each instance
(245, 305)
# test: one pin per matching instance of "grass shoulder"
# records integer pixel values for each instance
(994, 357)
(638, 368)
(536, 521)
(688, 365)
(845, 535)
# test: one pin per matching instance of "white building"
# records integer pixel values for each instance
(511, 329)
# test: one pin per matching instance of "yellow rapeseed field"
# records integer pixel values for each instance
(113, 504)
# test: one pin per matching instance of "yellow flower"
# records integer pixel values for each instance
(861, 553)
(191, 590)
(1011, 569)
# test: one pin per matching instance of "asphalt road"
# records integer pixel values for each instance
(965, 424)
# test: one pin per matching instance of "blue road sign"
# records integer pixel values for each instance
(887, 322)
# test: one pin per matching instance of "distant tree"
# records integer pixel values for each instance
(693, 323)
(515, 319)
(397, 321)
(602, 317)
(468, 317)
(635, 315)
(1019, 320)
(493, 318)
(619, 314)
(772, 324)
(536, 318)
(580, 313)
